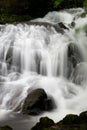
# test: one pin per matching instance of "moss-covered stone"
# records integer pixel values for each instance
(83, 15)
(71, 119)
(70, 122)
(44, 124)
(83, 117)
(10, 18)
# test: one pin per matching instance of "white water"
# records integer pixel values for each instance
(33, 56)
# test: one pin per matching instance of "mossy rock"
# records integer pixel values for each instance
(83, 117)
(44, 124)
(11, 18)
(83, 15)
(71, 119)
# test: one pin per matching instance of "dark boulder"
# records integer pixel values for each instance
(83, 117)
(45, 122)
(73, 24)
(69, 122)
(74, 57)
(37, 102)
(63, 26)
(70, 119)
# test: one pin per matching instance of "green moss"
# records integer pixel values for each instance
(79, 29)
(46, 122)
(85, 3)
(83, 15)
(57, 3)
(70, 119)
(6, 18)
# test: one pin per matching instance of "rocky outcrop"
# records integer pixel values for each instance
(44, 123)
(37, 102)
(69, 122)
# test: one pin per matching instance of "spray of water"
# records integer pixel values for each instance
(34, 56)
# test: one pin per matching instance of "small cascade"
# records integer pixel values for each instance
(48, 53)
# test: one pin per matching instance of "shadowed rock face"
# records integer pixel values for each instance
(44, 123)
(36, 102)
(74, 57)
(69, 122)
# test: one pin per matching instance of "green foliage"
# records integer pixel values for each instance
(13, 18)
(83, 28)
(85, 3)
(83, 15)
(57, 3)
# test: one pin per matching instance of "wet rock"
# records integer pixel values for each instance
(5, 128)
(37, 102)
(83, 117)
(74, 57)
(9, 55)
(74, 53)
(63, 26)
(45, 123)
(69, 122)
(47, 25)
(72, 24)
(79, 74)
(70, 119)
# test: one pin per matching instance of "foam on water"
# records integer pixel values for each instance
(35, 56)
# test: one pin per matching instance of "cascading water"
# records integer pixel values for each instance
(35, 54)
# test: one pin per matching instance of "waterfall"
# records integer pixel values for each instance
(48, 53)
